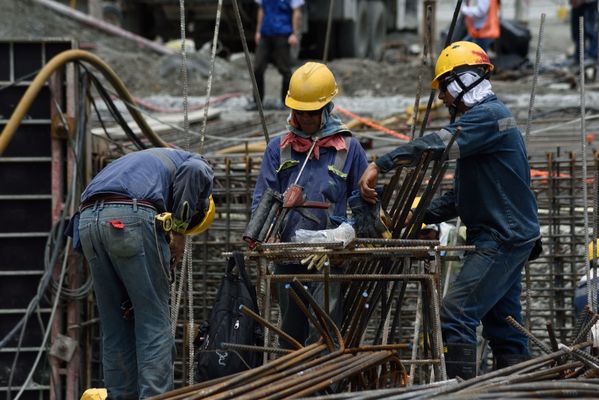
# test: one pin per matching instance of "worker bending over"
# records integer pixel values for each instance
(491, 195)
(131, 253)
(331, 173)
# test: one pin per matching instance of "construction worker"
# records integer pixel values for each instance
(492, 197)
(587, 9)
(277, 31)
(131, 253)
(481, 18)
(582, 288)
(331, 173)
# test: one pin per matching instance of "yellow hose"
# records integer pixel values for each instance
(54, 64)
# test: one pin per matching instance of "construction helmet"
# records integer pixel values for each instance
(200, 225)
(311, 87)
(590, 250)
(94, 394)
(414, 205)
(457, 55)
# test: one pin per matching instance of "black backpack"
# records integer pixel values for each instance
(228, 324)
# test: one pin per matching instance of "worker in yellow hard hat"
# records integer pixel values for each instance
(132, 223)
(493, 199)
(319, 153)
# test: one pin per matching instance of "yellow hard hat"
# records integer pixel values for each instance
(459, 54)
(204, 224)
(414, 205)
(94, 394)
(311, 87)
(590, 250)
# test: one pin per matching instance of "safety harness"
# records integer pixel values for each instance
(286, 161)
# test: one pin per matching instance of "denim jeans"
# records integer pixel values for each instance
(293, 321)
(129, 260)
(273, 49)
(487, 289)
(483, 43)
(589, 12)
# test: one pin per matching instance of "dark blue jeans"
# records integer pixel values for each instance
(487, 289)
(130, 261)
(589, 12)
(293, 321)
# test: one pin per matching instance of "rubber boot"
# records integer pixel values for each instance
(507, 360)
(460, 360)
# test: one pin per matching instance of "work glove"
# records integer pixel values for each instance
(315, 261)
(370, 220)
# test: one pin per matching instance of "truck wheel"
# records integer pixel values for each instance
(377, 29)
(353, 35)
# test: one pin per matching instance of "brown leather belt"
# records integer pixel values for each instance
(114, 199)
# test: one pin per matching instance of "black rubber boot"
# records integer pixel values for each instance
(460, 360)
(507, 360)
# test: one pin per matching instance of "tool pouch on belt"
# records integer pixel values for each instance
(369, 219)
(263, 217)
(72, 230)
(536, 250)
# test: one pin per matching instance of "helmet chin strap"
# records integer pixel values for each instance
(453, 76)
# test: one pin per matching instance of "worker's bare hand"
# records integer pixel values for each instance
(409, 218)
(177, 246)
(292, 40)
(257, 37)
(368, 182)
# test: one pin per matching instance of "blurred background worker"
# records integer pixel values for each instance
(581, 295)
(482, 21)
(277, 30)
(335, 162)
(588, 10)
(130, 254)
(492, 197)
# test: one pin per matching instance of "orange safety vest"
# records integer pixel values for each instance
(490, 29)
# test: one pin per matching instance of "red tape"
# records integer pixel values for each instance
(373, 124)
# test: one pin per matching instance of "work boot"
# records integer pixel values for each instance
(507, 360)
(460, 360)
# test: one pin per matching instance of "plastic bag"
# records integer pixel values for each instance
(343, 233)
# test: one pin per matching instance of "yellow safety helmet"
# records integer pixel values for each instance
(414, 205)
(590, 250)
(459, 54)
(204, 224)
(311, 87)
(94, 394)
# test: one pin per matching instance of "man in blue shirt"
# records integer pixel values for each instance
(493, 198)
(330, 175)
(130, 256)
(277, 30)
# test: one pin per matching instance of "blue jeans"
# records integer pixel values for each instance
(293, 321)
(487, 289)
(130, 261)
(589, 12)
(483, 43)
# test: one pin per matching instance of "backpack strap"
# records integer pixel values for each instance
(341, 158)
(236, 260)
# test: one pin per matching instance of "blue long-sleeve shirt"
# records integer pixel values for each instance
(320, 182)
(491, 192)
(168, 178)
